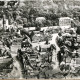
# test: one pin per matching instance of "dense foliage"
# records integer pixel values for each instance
(27, 14)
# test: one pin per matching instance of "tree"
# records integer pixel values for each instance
(32, 11)
(2, 3)
(19, 21)
(24, 20)
(26, 25)
(48, 23)
(14, 14)
(64, 14)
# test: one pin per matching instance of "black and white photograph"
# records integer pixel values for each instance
(39, 39)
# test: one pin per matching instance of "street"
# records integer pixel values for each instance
(17, 66)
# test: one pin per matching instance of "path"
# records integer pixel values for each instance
(17, 68)
(54, 56)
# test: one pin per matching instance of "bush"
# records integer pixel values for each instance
(28, 24)
(19, 21)
(24, 20)
(64, 14)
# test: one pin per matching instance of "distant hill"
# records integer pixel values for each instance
(45, 5)
(69, 3)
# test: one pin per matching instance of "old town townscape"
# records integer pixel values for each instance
(39, 39)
